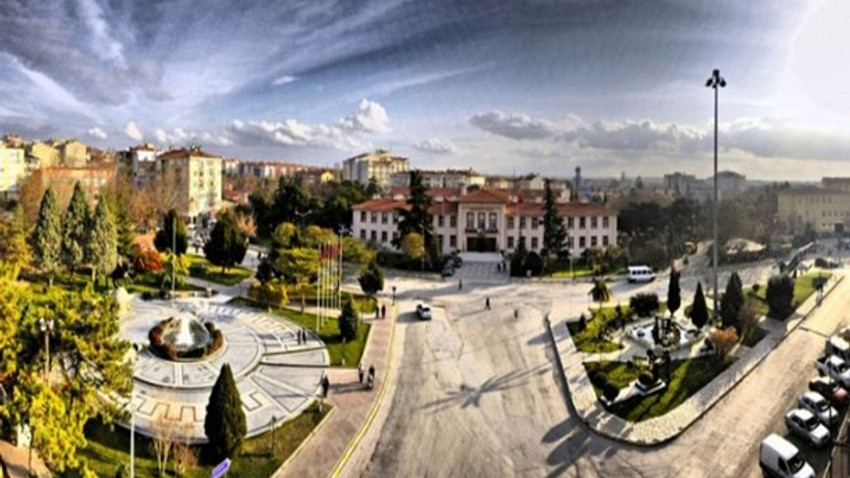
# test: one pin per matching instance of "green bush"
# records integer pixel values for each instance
(610, 391)
(598, 379)
(780, 296)
(348, 320)
(644, 304)
(533, 263)
(821, 262)
(646, 379)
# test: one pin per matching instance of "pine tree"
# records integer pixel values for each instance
(225, 424)
(371, 279)
(699, 309)
(75, 225)
(674, 293)
(15, 252)
(348, 320)
(47, 236)
(417, 218)
(227, 244)
(554, 231)
(102, 246)
(124, 229)
(163, 241)
(731, 302)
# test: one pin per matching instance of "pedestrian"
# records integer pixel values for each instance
(304, 335)
(372, 372)
(487, 303)
(460, 284)
(384, 311)
(326, 384)
(516, 313)
(359, 373)
(298, 336)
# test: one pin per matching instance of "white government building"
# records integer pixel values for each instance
(488, 220)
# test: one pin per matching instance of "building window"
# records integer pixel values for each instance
(362, 216)
(440, 220)
(510, 242)
(481, 218)
(534, 243)
(374, 217)
(510, 222)
(395, 235)
(470, 220)
(605, 242)
(534, 223)
(522, 240)
(522, 223)
(582, 242)
(452, 221)
(592, 241)
(570, 223)
(593, 222)
(373, 235)
(363, 234)
(492, 221)
(384, 236)
(452, 241)
(383, 218)
(440, 241)
(581, 223)
(572, 242)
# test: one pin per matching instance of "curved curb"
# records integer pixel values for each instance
(714, 400)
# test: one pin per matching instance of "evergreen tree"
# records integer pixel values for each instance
(780, 296)
(227, 244)
(371, 279)
(102, 245)
(518, 260)
(47, 236)
(75, 224)
(554, 231)
(124, 229)
(674, 293)
(165, 235)
(731, 302)
(15, 252)
(699, 309)
(373, 187)
(225, 424)
(600, 293)
(416, 218)
(348, 320)
(292, 202)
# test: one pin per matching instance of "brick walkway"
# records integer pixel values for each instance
(672, 424)
(16, 461)
(319, 455)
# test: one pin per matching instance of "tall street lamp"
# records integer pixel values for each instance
(716, 82)
(46, 327)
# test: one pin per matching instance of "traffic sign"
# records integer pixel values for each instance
(221, 469)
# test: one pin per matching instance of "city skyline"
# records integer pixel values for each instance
(498, 87)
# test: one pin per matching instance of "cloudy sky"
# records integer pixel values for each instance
(499, 85)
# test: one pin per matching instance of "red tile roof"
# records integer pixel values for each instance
(391, 205)
(183, 153)
(488, 196)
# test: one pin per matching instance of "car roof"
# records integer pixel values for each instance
(827, 380)
(783, 447)
(424, 304)
(802, 413)
(814, 396)
(638, 268)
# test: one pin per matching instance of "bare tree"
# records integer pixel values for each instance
(184, 454)
(165, 433)
(748, 318)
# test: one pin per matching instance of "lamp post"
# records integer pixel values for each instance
(274, 428)
(716, 82)
(46, 327)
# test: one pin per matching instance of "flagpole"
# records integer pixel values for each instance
(339, 278)
(319, 288)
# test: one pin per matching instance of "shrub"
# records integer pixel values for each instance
(780, 295)
(348, 320)
(598, 379)
(646, 379)
(644, 304)
(534, 263)
(756, 288)
(724, 341)
(610, 391)
(146, 260)
(582, 323)
(155, 335)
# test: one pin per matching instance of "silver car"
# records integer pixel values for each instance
(819, 406)
(806, 425)
(423, 310)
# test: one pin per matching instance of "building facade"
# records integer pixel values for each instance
(196, 177)
(62, 179)
(13, 169)
(489, 221)
(824, 210)
(380, 165)
(449, 179)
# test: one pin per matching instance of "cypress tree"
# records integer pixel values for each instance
(731, 302)
(699, 309)
(674, 293)
(225, 424)
(165, 235)
(348, 319)
(371, 279)
(554, 231)
(102, 246)
(75, 225)
(47, 236)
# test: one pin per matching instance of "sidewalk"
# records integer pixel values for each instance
(670, 425)
(320, 454)
(16, 461)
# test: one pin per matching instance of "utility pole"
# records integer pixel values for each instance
(716, 82)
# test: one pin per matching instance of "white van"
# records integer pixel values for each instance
(778, 457)
(640, 274)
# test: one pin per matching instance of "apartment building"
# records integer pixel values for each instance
(62, 179)
(380, 165)
(825, 210)
(13, 169)
(449, 178)
(195, 176)
(488, 220)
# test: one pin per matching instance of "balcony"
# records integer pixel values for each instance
(475, 230)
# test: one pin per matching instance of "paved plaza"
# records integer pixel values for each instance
(277, 377)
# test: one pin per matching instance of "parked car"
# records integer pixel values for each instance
(778, 457)
(838, 346)
(834, 367)
(807, 426)
(423, 311)
(819, 406)
(830, 389)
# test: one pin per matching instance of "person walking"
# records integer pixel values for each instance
(487, 303)
(372, 372)
(460, 284)
(326, 384)
(383, 311)
(359, 373)
(516, 313)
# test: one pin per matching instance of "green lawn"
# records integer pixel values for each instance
(803, 289)
(687, 377)
(588, 340)
(328, 332)
(560, 268)
(201, 268)
(109, 447)
(37, 284)
(364, 304)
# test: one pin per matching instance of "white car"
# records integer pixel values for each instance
(819, 406)
(805, 425)
(423, 310)
(778, 457)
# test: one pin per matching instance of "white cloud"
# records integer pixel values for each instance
(103, 44)
(436, 146)
(96, 132)
(283, 80)
(514, 126)
(132, 131)
(346, 133)
(180, 136)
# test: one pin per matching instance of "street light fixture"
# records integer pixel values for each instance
(716, 82)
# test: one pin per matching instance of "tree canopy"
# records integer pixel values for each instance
(102, 245)
(225, 424)
(371, 279)
(228, 244)
(554, 230)
(75, 229)
(164, 239)
(47, 236)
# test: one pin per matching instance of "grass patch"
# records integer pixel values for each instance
(686, 378)
(201, 268)
(36, 284)
(328, 332)
(804, 287)
(590, 339)
(560, 268)
(109, 446)
(364, 304)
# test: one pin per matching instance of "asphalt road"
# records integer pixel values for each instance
(477, 395)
